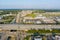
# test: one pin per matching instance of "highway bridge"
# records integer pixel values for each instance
(27, 26)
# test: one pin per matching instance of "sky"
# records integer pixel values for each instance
(29, 4)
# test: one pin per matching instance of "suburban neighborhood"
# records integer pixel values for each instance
(29, 25)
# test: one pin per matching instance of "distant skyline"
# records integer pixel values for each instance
(29, 4)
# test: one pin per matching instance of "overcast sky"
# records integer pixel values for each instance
(35, 4)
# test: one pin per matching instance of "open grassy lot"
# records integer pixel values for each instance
(31, 15)
(44, 31)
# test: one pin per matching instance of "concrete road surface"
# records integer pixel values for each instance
(27, 27)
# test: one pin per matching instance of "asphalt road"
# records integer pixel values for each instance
(27, 27)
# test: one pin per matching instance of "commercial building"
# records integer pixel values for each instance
(48, 20)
